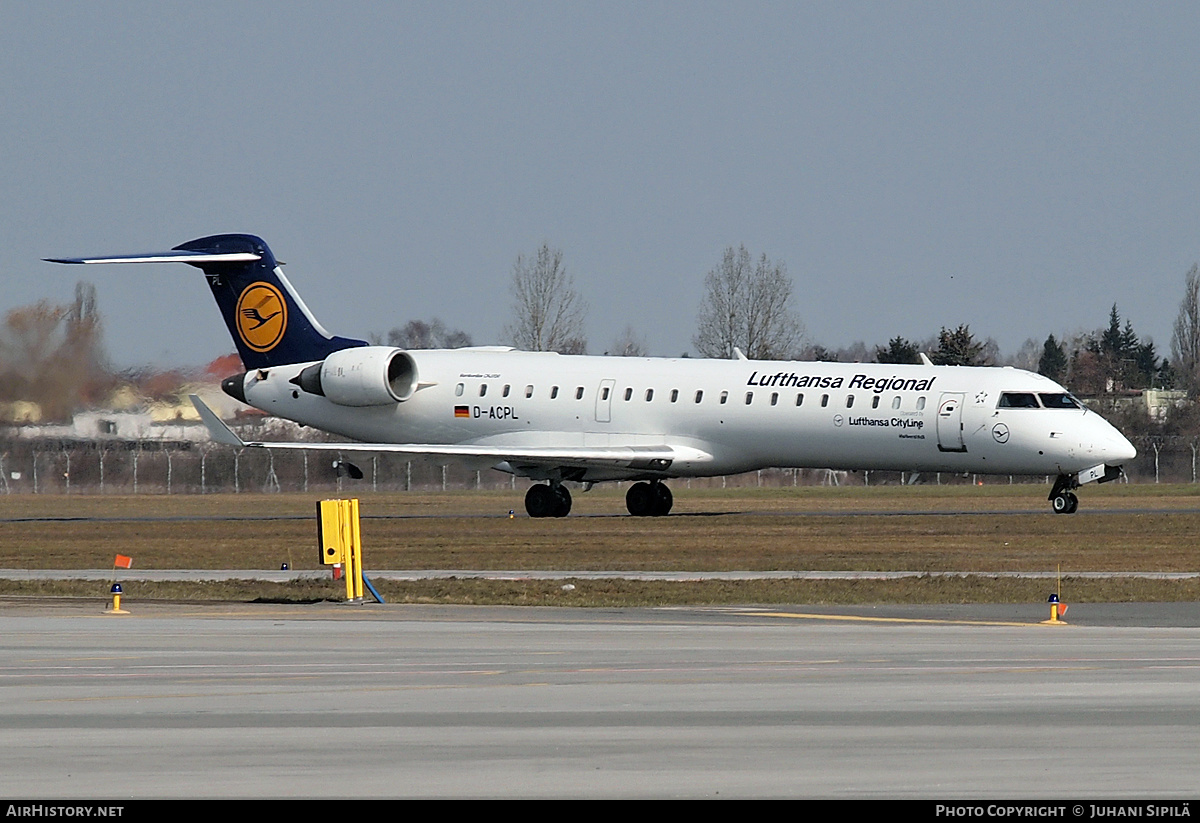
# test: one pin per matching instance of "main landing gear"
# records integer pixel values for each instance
(552, 500)
(1062, 498)
(643, 499)
(648, 499)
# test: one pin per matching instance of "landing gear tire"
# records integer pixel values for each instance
(552, 500)
(1065, 503)
(1062, 499)
(640, 499)
(564, 501)
(663, 498)
(648, 499)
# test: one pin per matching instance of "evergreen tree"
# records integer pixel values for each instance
(1053, 362)
(899, 350)
(1145, 366)
(958, 348)
(1122, 360)
(1110, 342)
(1166, 377)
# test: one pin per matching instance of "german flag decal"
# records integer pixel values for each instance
(462, 411)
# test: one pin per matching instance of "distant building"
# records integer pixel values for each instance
(1156, 402)
(1160, 401)
(20, 412)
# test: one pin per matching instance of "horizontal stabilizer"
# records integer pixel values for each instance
(181, 256)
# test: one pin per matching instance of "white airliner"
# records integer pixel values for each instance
(586, 419)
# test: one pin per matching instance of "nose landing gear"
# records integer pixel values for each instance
(1062, 498)
(1065, 503)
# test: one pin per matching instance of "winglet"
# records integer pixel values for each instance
(925, 361)
(217, 430)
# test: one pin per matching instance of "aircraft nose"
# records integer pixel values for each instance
(1120, 449)
(1113, 446)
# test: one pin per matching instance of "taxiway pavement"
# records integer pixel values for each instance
(430, 701)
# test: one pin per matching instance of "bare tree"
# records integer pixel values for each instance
(548, 313)
(417, 334)
(1028, 356)
(629, 344)
(53, 355)
(1185, 342)
(747, 306)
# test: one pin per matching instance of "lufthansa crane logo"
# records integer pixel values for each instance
(261, 316)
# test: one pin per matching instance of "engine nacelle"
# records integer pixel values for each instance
(362, 376)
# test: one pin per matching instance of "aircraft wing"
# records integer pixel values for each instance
(657, 457)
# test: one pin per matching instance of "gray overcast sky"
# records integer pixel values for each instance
(1016, 166)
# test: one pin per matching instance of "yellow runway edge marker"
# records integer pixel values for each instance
(1057, 607)
(122, 561)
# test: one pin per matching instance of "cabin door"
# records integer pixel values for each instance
(604, 401)
(949, 423)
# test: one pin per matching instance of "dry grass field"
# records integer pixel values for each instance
(980, 529)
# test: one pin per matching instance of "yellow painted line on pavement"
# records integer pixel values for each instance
(853, 618)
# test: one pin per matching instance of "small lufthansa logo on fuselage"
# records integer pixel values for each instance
(1000, 433)
(261, 316)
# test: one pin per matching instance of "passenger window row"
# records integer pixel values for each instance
(1007, 400)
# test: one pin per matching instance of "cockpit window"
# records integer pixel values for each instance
(1018, 400)
(1059, 401)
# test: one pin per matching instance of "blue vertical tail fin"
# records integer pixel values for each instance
(267, 319)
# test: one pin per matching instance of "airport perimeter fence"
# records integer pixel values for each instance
(30, 466)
